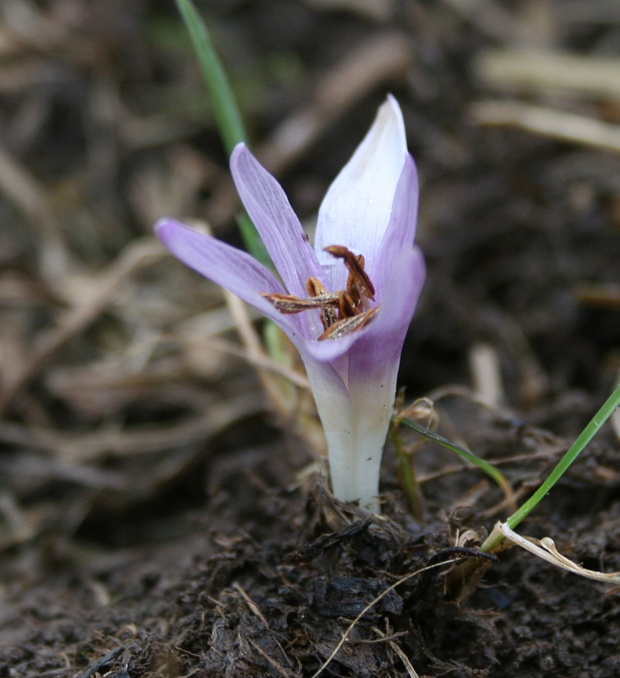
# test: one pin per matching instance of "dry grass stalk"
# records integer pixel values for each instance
(486, 373)
(538, 72)
(545, 548)
(549, 122)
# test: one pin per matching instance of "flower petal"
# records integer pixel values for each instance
(230, 268)
(380, 343)
(356, 210)
(279, 227)
(372, 374)
(400, 231)
(331, 349)
(381, 340)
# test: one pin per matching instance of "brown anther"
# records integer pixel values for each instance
(289, 303)
(315, 287)
(328, 317)
(342, 312)
(356, 296)
(355, 265)
(346, 306)
(346, 326)
(353, 287)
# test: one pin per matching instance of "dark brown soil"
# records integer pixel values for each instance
(156, 518)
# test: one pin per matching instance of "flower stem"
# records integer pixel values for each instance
(407, 473)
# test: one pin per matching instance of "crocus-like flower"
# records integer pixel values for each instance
(346, 304)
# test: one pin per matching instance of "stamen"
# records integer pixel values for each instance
(347, 308)
(315, 287)
(346, 326)
(289, 303)
(355, 266)
(342, 312)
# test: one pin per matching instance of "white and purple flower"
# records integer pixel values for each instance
(346, 314)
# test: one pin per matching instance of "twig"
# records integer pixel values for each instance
(263, 362)
(545, 548)
(25, 192)
(537, 71)
(272, 662)
(403, 657)
(251, 604)
(486, 373)
(549, 122)
(280, 403)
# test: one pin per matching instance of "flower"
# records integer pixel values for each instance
(346, 304)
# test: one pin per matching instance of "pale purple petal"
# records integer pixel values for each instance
(401, 228)
(279, 227)
(230, 268)
(371, 381)
(329, 350)
(356, 210)
(381, 340)
(379, 346)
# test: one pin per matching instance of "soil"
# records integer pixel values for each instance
(157, 518)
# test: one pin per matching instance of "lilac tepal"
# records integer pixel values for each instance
(345, 304)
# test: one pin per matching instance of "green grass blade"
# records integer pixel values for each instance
(567, 460)
(225, 110)
(483, 465)
(222, 99)
(563, 465)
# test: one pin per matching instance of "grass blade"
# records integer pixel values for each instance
(483, 465)
(225, 110)
(567, 460)
(563, 465)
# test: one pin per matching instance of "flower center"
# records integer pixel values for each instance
(342, 312)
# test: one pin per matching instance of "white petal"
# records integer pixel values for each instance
(356, 210)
